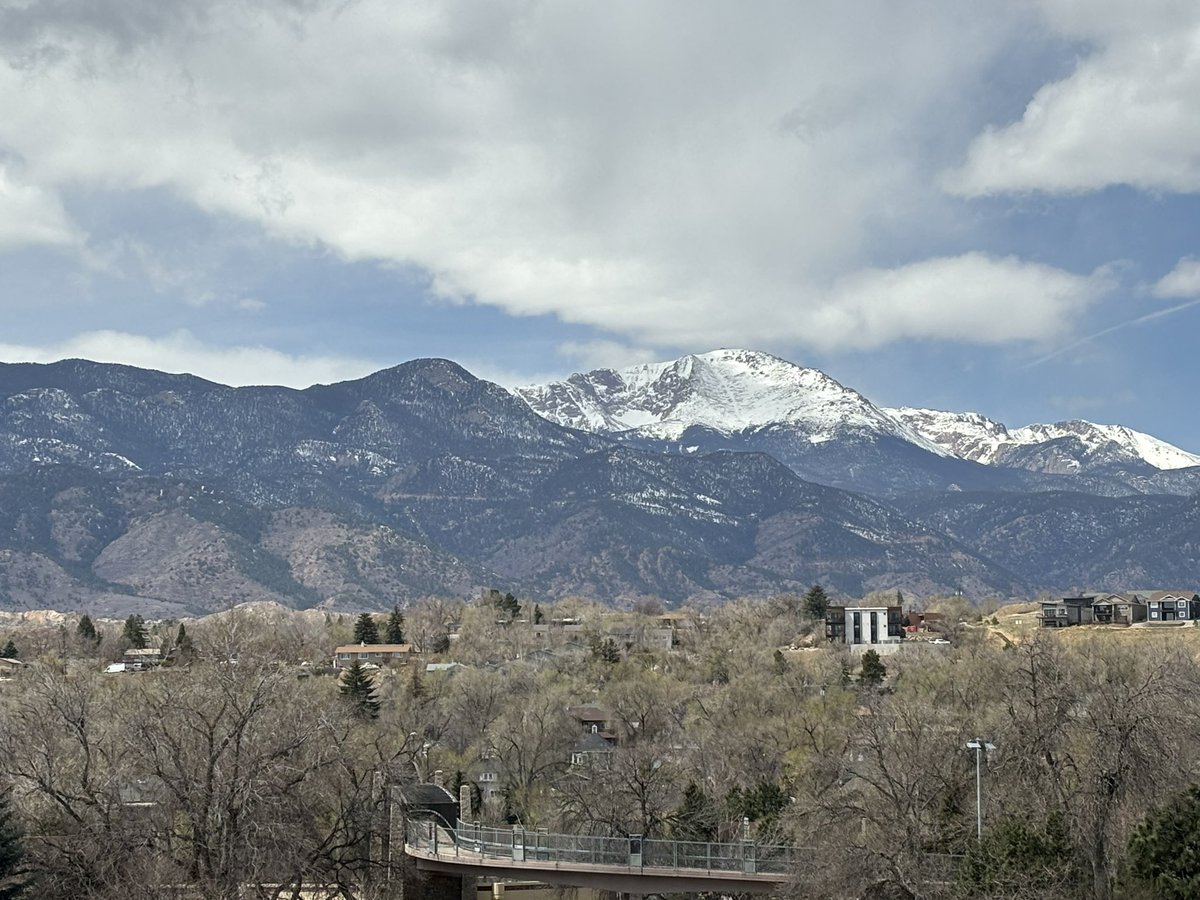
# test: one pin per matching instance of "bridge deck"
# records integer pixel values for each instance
(599, 862)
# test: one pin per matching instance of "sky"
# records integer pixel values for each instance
(990, 206)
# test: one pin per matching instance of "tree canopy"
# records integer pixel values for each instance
(366, 630)
(135, 632)
(1165, 849)
(358, 687)
(816, 602)
(393, 632)
(873, 670)
(12, 853)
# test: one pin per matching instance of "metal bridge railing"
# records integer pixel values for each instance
(471, 840)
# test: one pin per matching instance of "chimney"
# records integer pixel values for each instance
(437, 778)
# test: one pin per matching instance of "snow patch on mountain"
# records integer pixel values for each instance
(729, 391)
(977, 438)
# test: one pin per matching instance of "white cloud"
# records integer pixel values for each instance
(972, 298)
(1182, 281)
(680, 175)
(1128, 114)
(181, 352)
(31, 214)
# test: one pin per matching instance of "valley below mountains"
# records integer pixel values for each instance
(724, 474)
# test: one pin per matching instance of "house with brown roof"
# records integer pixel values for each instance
(375, 654)
(1119, 609)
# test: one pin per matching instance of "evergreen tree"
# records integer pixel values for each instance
(873, 670)
(393, 633)
(762, 803)
(1162, 850)
(183, 640)
(9, 650)
(365, 630)
(135, 632)
(816, 602)
(696, 817)
(440, 644)
(87, 630)
(12, 877)
(606, 650)
(509, 606)
(1024, 857)
(538, 616)
(359, 689)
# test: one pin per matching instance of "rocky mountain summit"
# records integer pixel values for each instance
(751, 401)
(1069, 447)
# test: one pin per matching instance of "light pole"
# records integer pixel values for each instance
(979, 745)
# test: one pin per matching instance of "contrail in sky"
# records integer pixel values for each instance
(1140, 320)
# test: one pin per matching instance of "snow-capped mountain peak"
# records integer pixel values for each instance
(728, 391)
(1079, 443)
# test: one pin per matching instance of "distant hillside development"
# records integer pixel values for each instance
(710, 477)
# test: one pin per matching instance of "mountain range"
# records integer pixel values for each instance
(750, 401)
(708, 477)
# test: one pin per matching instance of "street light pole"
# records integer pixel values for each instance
(979, 745)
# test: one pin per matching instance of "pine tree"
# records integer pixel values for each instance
(12, 878)
(87, 630)
(606, 650)
(1161, 848)
(359, 688)
(394, 632)
(9, 650)
(509, 605)
(183, 640)
(873, 670)
(538, 616)
(696, 817)
(365, 630)
(816, 602)
(135, 632)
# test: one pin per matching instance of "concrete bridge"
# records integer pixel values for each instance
(455, 856)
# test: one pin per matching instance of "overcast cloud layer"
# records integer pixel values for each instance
(655, 178)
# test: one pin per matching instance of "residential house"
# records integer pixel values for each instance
(1172, 606)
(376, 654)
(593, 751)
(487, 773)
(597, 739)
(1068, 611)
(861, 627)
(446, 668)
(591, 719)
(139, 658)
(922, 621)
(1119, 609)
